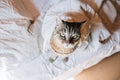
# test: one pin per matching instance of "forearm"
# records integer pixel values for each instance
(107, 69)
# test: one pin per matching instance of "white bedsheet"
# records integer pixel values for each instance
(20, 58)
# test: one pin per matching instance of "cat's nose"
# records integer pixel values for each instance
(67, 41)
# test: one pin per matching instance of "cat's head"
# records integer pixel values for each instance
(66, 36)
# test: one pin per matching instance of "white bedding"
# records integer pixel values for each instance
(20, 58)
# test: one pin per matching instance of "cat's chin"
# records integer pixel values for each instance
(59, 48)
(62, 50)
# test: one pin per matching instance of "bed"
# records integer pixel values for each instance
(25, 51)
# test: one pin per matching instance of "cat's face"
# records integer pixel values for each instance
(65, 37)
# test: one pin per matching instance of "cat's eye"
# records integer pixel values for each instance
(62, 35)
(75, 37)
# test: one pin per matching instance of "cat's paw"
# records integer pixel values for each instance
(65, 59)
(51, 60)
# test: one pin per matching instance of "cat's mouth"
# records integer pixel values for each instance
(61, 48)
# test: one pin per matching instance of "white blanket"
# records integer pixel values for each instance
(20, 58)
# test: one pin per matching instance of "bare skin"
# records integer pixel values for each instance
(107, 69)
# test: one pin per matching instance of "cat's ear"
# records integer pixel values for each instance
(58, 20)
(83, 22)
(80, 23)
(63, 21)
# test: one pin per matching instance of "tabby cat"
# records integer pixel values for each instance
(66, 36)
